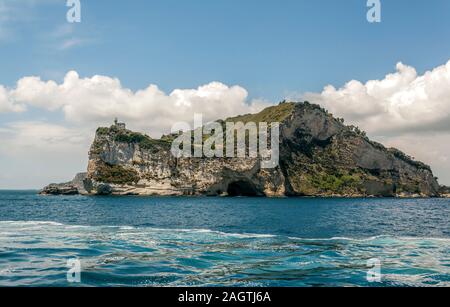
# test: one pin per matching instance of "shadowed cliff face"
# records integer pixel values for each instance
(322, 156)
(319, 156)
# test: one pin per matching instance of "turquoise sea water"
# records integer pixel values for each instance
(136, 241)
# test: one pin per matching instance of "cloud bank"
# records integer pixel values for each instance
(403, 109)
(86, 101)
(401, 102)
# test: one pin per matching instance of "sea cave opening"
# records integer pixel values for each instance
(242, 188)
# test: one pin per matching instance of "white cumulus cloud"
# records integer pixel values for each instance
(402, 101)
(98, 99)
(6, 105)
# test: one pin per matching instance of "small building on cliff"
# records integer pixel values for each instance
(120, 126)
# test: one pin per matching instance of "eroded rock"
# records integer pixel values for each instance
(319, 156)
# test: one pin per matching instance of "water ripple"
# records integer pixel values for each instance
(143, 256)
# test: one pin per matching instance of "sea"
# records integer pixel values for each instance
(80, 241)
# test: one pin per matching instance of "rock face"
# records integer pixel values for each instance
(445, 192)
(319, 156)
(74, 187)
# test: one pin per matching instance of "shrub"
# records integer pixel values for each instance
(116, 174)
(144, 141)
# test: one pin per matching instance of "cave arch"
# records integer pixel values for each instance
(242, 188)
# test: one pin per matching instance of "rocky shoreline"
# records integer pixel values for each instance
(319, 157)
(77, 187)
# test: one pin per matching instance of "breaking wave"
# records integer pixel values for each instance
(36, 253)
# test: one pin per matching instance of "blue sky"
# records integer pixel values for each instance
(271, 48)
(221, 58)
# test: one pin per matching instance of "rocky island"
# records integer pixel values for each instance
(319, 156)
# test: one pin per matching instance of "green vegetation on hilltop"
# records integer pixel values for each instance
(130, 137)
(144, 141)
(269, 115)
(116, 174)
(103, 131)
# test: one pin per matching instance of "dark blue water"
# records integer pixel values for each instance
(137, 241)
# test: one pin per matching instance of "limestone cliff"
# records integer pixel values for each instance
(319, 156)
